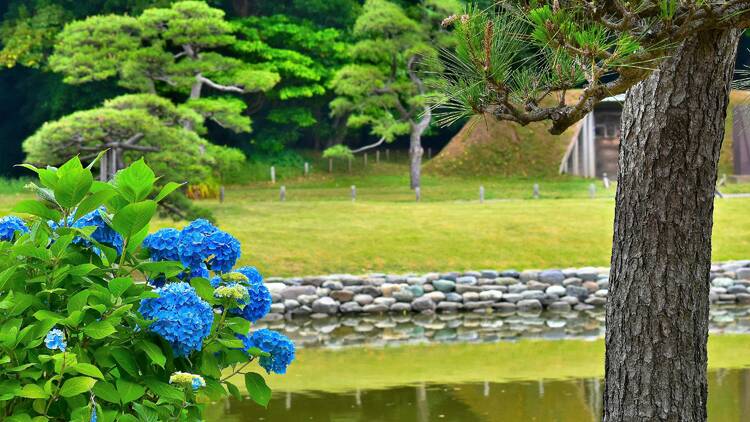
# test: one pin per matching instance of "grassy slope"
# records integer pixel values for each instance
(377, 368)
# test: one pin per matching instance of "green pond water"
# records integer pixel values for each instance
(561, 400)
(554, 378)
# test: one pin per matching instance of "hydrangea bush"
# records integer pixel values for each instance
(102, 321)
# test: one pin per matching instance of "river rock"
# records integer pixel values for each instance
(416, 290)
(278, 308)
(293, 292)
(350, 308)
(444, 286)
(467, 279)
(325, 305)
(517, 288)
(489, 274)
(572, 300)
(504, 307)
(403, 296)
(436, 296)
(596, 301)
(290, 304)
(556, 290)
(422, 304)
(342, 295)
(722, 282)
(743, 273)
(363, 299)
(587, 274)
(482, 304)
(388, 289)
(529, 275)
(454, 297)
(512, 297)
(532, 294)
(601, 293)
(463, 288)
(449, 306)
(527, 305)
(275, 288)
(537, 285)
(506, 281)
(591, 286)
(579, 292)
(572, 281)
(387, 301)
(302, 311)
(401, 307)
(737, 288)
(333, 285)
(743, 298)
(491, 295)
(374, 309)
(559, 306)
(552, 277)
(470, 297)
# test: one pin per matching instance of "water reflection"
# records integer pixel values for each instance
(566, 400)
(381, 330)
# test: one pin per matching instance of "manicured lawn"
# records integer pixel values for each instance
(316, 237)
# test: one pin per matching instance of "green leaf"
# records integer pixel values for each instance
(94, 201)
(99, 329)
(73, 183)
(88, 369)
(203, 289)
(129, 391)
(118, 286)
(239, 325)
(78, 301)
(153, 352)
(43, 314)
(232, 344)
(33, 207)
(106, 392)
(6, 275)
(234, 391)
(134, 217)
(166, 190)
(125, 359)
(33, 391)
(135, 182)
(254, 351)
(257, 388)
(77, 385)
(164, 390)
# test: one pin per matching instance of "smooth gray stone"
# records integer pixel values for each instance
(596, 301)
(293, 292)
(512, 297)
(489, 274)
(403, 296)
(363, 299)
(559, 306)
(577, 291)
(454, 297)
(444, 286)
(556, 290)
(469, 280)
(333, 285)
(422, 304)
(552, 277)
(350, 308)
(529, 275)
(532, 294)
(342, 295)
(278, 308)
(449, 306)
(529, 305)
(325, 305)
(290, 304)
(374, 309)
(401, 307)
(504, 307)
(490, 295)
(387, 301)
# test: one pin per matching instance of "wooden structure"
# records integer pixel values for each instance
(594, 149)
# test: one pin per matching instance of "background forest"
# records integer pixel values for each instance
(292, 49)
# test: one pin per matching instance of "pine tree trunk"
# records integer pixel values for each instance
(657, 313)
(415, 158)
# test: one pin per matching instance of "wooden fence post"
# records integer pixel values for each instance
(221, 193)
(536, 190)
(273, 174)
(481, 194)
(365, 159)
(330, 165)
(282, 193)
(307, 168)
(377, 156)
(418, 193)
(354, 193)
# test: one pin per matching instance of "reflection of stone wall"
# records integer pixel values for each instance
(486, 291)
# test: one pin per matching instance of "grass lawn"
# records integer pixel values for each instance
(319, 230)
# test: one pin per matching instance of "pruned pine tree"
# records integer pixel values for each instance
(385, 88)
(675, 60)
(165, 50)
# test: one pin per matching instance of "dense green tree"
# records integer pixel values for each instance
(130, 127)
(172, 50)
(305, 57)
(675, 61)
(384, 89)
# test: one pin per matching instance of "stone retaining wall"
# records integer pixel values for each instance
(472, 291)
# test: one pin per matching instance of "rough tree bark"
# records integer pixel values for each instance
(657, 313)
(417, 128)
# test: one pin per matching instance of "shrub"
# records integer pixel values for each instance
(101, 321)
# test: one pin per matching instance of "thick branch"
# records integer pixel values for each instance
(366, 147)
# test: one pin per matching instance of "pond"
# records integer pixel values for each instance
(467, 367)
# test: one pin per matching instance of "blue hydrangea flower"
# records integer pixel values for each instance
(103, 234)
(55, 340)
(9, 226)
(162, 245)
(278, 345)
(201, 244)
(259, 301)
(198, 382)
(180, 317)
